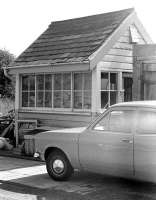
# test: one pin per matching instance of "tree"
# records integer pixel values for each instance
(6, 83)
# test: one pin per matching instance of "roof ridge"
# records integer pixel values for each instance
(128, 10)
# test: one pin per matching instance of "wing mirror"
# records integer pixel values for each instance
(99, 128)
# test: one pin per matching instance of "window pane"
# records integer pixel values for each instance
(24, 99)
(67, 81)
(24, 82)
(57, 81)
(57, 99)
(121, 121)
(87, 99)
(104, 81)
(104, 99)
(40, 82)
(31, 99)
(113, 81)
(48, 99)
(32, 82)
(147, 122)
(113, 97)
(39, 100)
(78, 81)
(66, 99)
(48, 82)
(87, 81)
(78, 100)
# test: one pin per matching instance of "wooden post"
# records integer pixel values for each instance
(95, 91)
(120, 88)
(98, 89)
(136, 80)
(16, 108)
(141, 81)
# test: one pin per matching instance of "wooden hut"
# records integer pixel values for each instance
(76, 68)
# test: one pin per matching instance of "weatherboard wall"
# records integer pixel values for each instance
(56, 119)
(120, 56)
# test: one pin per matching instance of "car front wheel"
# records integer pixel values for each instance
(58, 166)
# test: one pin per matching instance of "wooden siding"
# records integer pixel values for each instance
(120, 56)
(57, 119)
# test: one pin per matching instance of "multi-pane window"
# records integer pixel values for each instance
(108, 88)
(60, 90)
(28, 91)
(82, 90)
(48, 90)
(39, 90)
(43, 90)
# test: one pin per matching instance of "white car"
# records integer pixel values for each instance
(121, 142)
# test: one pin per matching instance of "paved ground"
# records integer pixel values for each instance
(28, 180)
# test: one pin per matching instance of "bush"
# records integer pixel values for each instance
(6, 83)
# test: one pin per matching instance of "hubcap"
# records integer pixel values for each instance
(58, 166)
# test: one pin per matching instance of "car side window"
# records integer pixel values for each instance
(121, 121)
(116, 121)
(102, 125)
(146, 122)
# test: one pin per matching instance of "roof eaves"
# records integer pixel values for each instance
(22, 65)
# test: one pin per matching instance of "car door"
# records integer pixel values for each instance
(107, 146)
(145, 145)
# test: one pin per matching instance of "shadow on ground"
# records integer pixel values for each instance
(85, 186)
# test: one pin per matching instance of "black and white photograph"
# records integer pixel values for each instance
(77, 100)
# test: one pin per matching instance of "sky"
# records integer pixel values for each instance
(23, 21)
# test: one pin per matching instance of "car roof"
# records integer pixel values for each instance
(151, 104)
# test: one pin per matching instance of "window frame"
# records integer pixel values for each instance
(82, 91)
(28, 91)
(71, 109)
(61, 91)
(109, 88)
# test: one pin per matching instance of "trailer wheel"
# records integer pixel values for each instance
(58, 166)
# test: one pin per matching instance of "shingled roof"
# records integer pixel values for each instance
(72, 40)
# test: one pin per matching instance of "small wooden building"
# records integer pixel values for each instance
(77, 67)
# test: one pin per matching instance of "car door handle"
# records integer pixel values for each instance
(127, 141)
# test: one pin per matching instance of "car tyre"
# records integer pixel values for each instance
(58, 166)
